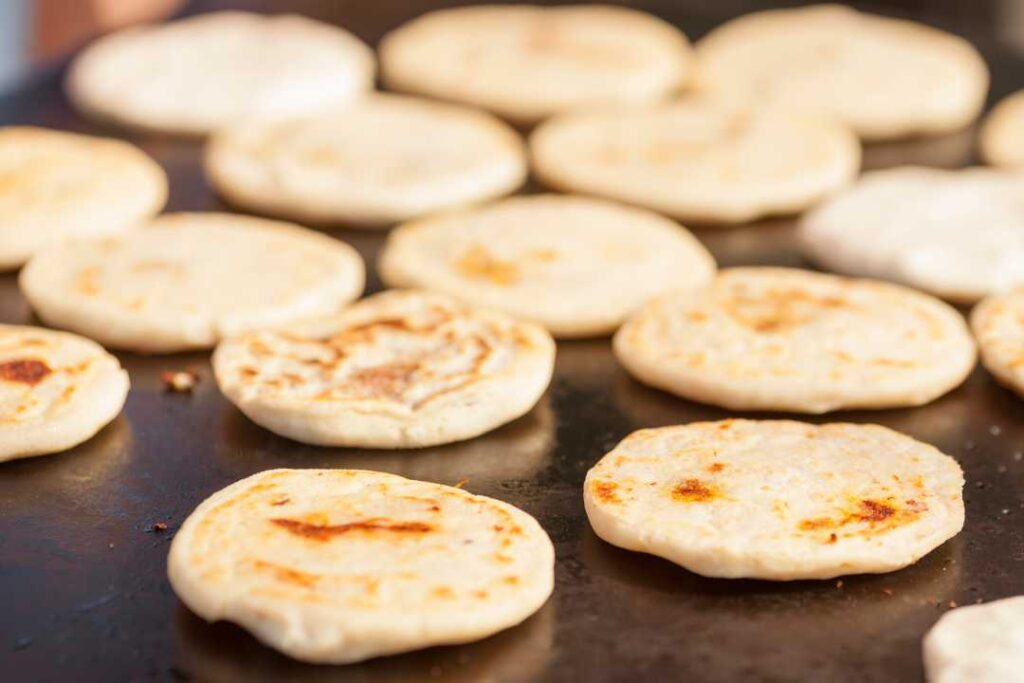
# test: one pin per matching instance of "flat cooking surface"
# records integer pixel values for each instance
(83, 595)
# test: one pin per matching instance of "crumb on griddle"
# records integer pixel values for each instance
(160, 526)
(179, 381)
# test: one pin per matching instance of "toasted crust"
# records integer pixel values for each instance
(402, 369)
(189, 279)
(887, 78)
(776, 500)
(998, 325)
(57, 187)
(1001, 141)
(56, 391)
(907, 224)
(385, 159)
(793, 340)
(697, 159)
(337, 566)
(549, 258)
(198, 74)
(526, 63)
(978, 643)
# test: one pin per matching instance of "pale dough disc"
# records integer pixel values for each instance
(56, 187)
(199, 74)
(57, 390)
(1001, 140)
(402, 369)
(187, 280)
(998, 325)
(956, 234)
(776, 500)
(887, 78)
(977, 644)
(526, 63)
(798, 341)
(337, 566)
(698, 159)
(384, 159)
(577, 266)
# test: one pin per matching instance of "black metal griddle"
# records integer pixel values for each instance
(83, 592)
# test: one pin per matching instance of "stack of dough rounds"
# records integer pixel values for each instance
(576, 266)
(776, 499)
(202, 73)
(977, 644)
(956, 234)
(56, 187)
(698, 159)
(887, 78)
(337, 566)
(402, 369)
(526, 63)
(1002, 136)
(793, 340)
(385, 159)
(187, 280)
(998, 324)
(56, 391)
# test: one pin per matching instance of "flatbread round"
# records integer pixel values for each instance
(998, 325)
(956, 234)
(382, 160)
(526, 63)
(402, 369)
(776, 500)
(698, 159)
(337, 566)
(793, 340)
(576, 266)
(187, 280)
(57, 390)
(56, 187)
(199, 74)
(887, 78)
(1001, 140)
(977, 644)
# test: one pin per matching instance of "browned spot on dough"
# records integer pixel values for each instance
(325, 532)
(878, 515)
(29, 371)
(606, 491)
(777, 310)
(389, 381)
(443, 592)
(511, 580)
(716, 467)
(287, 574)
(283, 499)
(481, 595)
(477, 262)
(693, 491)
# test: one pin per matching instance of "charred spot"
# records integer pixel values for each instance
(325, 532)
(693, 491)
(874, 511)
(29, 371)
(832, 538)
(606, 491)
(281, 500)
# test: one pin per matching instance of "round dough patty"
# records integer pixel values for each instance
(401, 369)
(201, 73)
(998, 325)
(189, 279)
(56, 187)
(956, 234)
(887, 78)
(576, 266)
(337, 566)
(526, 63)
(977, 644)
(57, 390)
(698, 159)
(776, 500)
(1001, 140)
(798, 341)
(382, 160)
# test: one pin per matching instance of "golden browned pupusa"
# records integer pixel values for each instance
(342, 565)
(776, 499)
